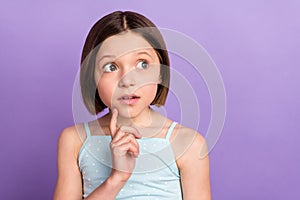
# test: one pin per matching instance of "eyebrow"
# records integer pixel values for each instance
(106, 56)
(114, 57)
(145, 52)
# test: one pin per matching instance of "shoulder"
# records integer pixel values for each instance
(70, 133)
(188, 145)
(193, 163)
(187, 136)
(184, 132)
(71, 138)
(69, 178)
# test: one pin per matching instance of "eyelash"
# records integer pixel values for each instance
(108, 65)
(143, 61)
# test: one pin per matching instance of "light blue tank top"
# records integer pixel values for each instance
(155, 176)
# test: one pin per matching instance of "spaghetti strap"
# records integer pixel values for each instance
(169, 133)
(87, 129)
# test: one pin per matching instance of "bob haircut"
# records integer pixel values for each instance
(113, 24)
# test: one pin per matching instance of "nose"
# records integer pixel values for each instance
(128, 79)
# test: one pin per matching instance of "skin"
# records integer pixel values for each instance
(119, 71)
(128, 122)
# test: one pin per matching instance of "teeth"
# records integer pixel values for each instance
(126, 98)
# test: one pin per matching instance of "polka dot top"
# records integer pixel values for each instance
(155, 176)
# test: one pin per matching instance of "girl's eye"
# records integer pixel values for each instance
(109, 67)
(142, 64)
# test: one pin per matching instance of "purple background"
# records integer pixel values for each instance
(254, 43)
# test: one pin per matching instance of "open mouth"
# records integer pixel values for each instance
(129, 99)
(126, 98)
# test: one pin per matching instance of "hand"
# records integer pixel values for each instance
(124, 148)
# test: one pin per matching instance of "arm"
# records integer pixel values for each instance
(124, 149)
(194, 170)
(69, 182)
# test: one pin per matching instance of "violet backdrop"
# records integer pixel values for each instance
(254, 43)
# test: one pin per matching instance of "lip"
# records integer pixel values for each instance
(129, 99)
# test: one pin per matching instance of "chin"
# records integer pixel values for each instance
(128, 112)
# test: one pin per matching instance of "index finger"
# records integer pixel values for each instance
(113, 122)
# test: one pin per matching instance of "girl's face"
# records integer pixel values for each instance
(127, 71)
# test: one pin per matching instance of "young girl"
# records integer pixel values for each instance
(132, 152)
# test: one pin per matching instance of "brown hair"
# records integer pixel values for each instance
(112, 24)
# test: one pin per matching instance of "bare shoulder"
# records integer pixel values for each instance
(69, 183)
(188, 137)
(188, 144)
(193, 162)
(71, 138)
(185, 133)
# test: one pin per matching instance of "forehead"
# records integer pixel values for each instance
(124, 43)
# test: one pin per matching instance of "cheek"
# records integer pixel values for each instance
(106, 91)
(152, 75)
(149, 90)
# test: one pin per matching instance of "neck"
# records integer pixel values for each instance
(144, 119)
(149, 124)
